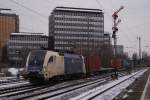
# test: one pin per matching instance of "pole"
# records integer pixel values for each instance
(115, 39)
(115, 29)
(140, 56)
(88, 45)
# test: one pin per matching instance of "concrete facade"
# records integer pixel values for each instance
(77, 29)
(8, 23)
(20, 44)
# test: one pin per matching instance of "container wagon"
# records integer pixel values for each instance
(92, 64)
(116, 63)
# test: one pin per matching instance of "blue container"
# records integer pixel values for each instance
(127, 63)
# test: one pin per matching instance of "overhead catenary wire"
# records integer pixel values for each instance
(99, 3)
(128, 38)
(137, 25)
(16, 12)
(109, 15)
(111, 3)
(131, 29)
(29, 9)
(44, 18)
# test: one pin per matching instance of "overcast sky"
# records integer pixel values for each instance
(135, 17)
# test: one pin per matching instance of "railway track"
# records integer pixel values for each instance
(55, 91)
(28, 93)
(14, 87)
(20, 92)
(10, 81)
(66, 89)
(67, 93)
(100, 92)
(6, 91)
(52, 93)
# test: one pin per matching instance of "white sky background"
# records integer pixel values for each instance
(135, 17)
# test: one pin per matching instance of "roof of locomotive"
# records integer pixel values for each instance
(59, 53)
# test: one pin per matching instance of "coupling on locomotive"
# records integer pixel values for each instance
(44, 65)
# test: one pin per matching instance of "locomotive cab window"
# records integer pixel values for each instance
(50, 59)
(37, 58)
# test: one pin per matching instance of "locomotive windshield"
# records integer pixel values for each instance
(36, 58)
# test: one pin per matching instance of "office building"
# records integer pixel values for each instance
(77, 29)
(20, 44)
(9, 23)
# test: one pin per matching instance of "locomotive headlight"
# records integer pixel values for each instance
(44, 68)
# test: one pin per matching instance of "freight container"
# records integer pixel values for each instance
(92, 63)
(127, 63)
(116, 63)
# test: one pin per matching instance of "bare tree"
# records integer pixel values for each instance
(106, 55)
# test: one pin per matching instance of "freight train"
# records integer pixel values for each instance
(45, 65)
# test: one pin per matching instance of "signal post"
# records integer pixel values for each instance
(116, 21)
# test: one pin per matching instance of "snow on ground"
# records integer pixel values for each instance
(13, 85)
(109, 95)
(14, 71)
(112, 93)
(7, 78)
